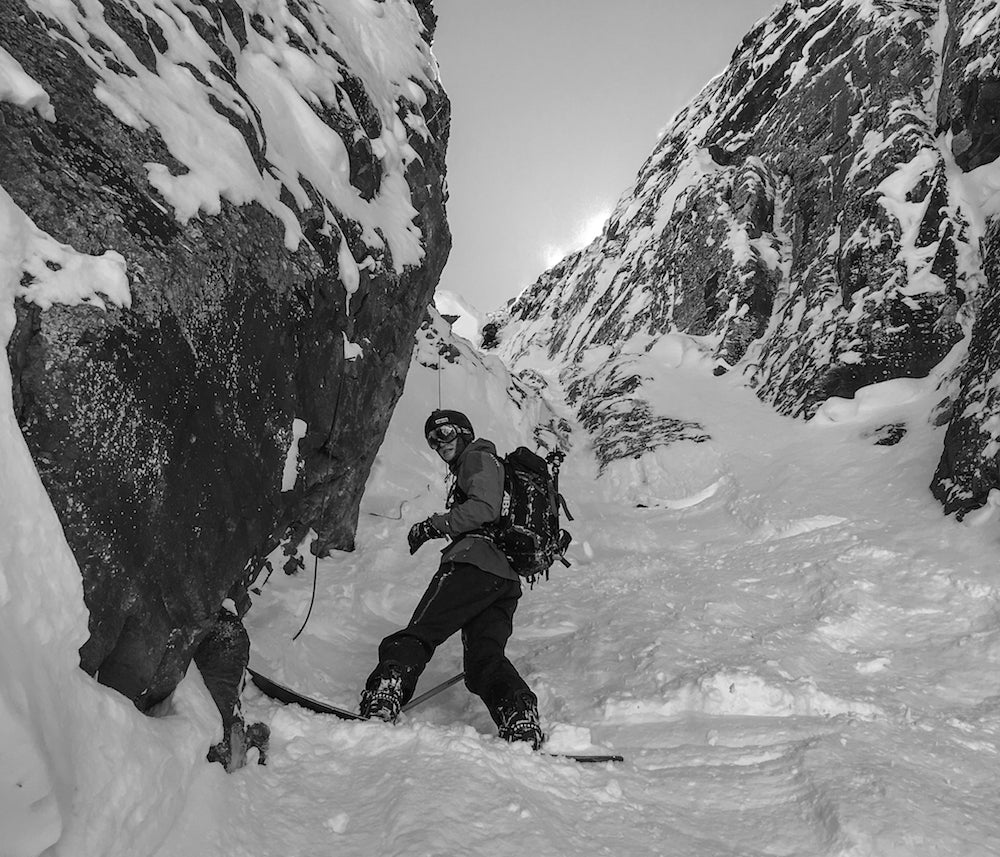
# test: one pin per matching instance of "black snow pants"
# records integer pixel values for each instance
(461, 597)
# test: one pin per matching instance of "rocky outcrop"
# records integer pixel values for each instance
(620, 422)
(816, 217)
(271, 178)
(969, 113)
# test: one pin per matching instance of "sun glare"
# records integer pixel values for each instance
(591, 227)
(552, 254)
(588, 229)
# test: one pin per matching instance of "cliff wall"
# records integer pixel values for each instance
(231, 220)
(822, 217)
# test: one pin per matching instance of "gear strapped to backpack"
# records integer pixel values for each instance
(528, 530)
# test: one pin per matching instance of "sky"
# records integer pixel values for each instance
(555, 106)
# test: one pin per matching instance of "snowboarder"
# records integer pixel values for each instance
(474, 591)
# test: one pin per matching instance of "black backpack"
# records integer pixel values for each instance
(527, 530)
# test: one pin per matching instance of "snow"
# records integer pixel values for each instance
(18, 87)
(39, 269)
(985, 18)
(75, 757)
(894, 191)
(875, 399)
(381, 44)
(291, 470)
(788, 642)
(470, 320)
(794, 660)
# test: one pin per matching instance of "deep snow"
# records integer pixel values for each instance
(793, 648)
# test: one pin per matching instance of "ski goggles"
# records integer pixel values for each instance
(442, 435)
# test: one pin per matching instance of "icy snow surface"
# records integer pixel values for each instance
(796, 653)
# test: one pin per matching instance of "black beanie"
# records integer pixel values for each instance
(454, 418)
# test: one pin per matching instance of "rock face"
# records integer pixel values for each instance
(270, 177)
(969, 110)
(821, 217)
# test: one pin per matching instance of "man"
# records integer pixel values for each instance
(474, 591)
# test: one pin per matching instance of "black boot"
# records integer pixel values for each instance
(517, 720)
(382, 697)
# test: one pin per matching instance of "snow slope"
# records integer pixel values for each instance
(794, 650)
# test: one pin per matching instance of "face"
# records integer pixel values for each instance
(446, 442)
(448, 450)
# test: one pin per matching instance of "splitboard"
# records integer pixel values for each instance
(283, 693)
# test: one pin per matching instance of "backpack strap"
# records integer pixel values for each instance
(555, 460)
(562, 504)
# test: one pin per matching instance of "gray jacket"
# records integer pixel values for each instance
(474, 502)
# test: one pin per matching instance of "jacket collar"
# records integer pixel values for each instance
(480, 444)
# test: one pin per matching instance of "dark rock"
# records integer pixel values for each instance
(800, 216)
(977, 128)
(489, 335)
(160, 430)
(887, 435)
(969, 108)
(426, 10)
(969, 467)
(621, 423)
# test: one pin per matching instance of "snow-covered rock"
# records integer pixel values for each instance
(220, 226)
(969, 108)
(819, 219)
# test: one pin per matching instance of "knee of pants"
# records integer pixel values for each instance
(479, 657)
(487, 676)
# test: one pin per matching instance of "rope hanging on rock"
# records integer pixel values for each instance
(312, 601)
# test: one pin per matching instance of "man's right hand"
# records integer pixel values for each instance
(420, 533)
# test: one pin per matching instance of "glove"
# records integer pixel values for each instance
(420, 533)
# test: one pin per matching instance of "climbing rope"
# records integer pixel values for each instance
(312, 601)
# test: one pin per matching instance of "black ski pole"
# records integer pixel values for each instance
(434, 691)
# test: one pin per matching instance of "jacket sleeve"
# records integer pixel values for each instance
(480, 478)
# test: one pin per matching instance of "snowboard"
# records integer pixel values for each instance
(283, 693)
